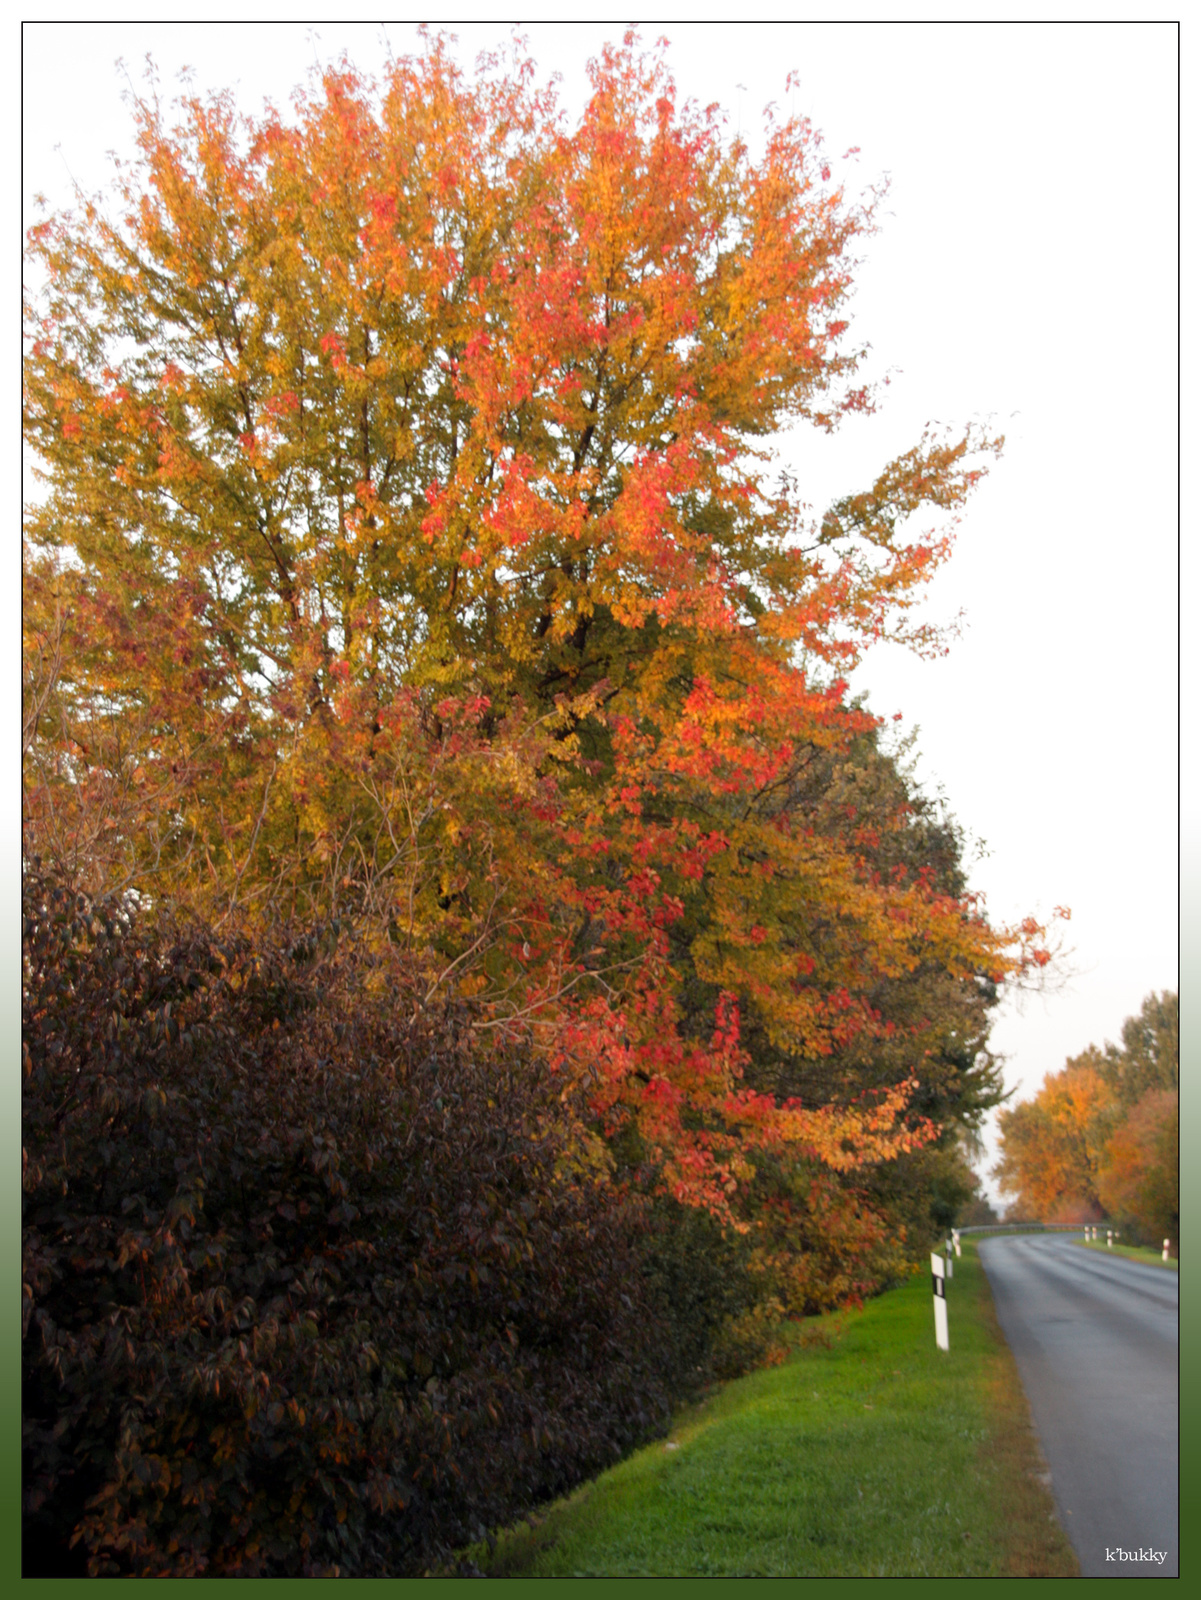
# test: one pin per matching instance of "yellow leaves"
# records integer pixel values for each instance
(1051, 1146)
(487, 615)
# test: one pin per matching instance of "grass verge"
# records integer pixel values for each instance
(1135, 1252)
(868, 1452)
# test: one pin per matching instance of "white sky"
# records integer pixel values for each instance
(1025, 272)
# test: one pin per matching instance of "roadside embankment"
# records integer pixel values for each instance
(1133, 1252)
(868, 1452)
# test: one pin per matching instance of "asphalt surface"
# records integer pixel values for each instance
(1096, 1340)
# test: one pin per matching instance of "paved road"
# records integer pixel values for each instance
(1096, 1342)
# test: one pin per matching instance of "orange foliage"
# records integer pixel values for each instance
(1051, 1146)
(1140, 1175)
(421, 570)
(1100, 1138)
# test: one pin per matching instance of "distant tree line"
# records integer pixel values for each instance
(1100, 1140)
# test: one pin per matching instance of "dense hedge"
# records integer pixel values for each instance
(317, 1280)
(698, 1275)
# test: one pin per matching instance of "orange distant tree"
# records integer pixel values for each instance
(1140, 1179)
(412, 558)
(1100, 1139)
(1052, 1146)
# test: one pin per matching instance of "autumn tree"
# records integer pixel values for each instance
(1052, 1146)
(413, 556)
(1139, 1179)
(924, 1021)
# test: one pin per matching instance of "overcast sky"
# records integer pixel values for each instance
(1025, 272)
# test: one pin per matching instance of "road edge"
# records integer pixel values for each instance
(1039, 1545)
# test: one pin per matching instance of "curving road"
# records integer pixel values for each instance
(1096, 1341)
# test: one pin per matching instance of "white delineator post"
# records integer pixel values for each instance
(1166, 1244)
(950, 1261)
(955, 1239)
(938, 1271)
(1109, 1238)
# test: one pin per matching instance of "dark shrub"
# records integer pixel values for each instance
(316, 1280)
(698, 1274)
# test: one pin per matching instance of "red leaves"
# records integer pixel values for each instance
(479, 462)
(333, 345)
(278, 406)
(383, 207)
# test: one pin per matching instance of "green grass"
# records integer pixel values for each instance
(1136, 1252)
(868, 1452)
